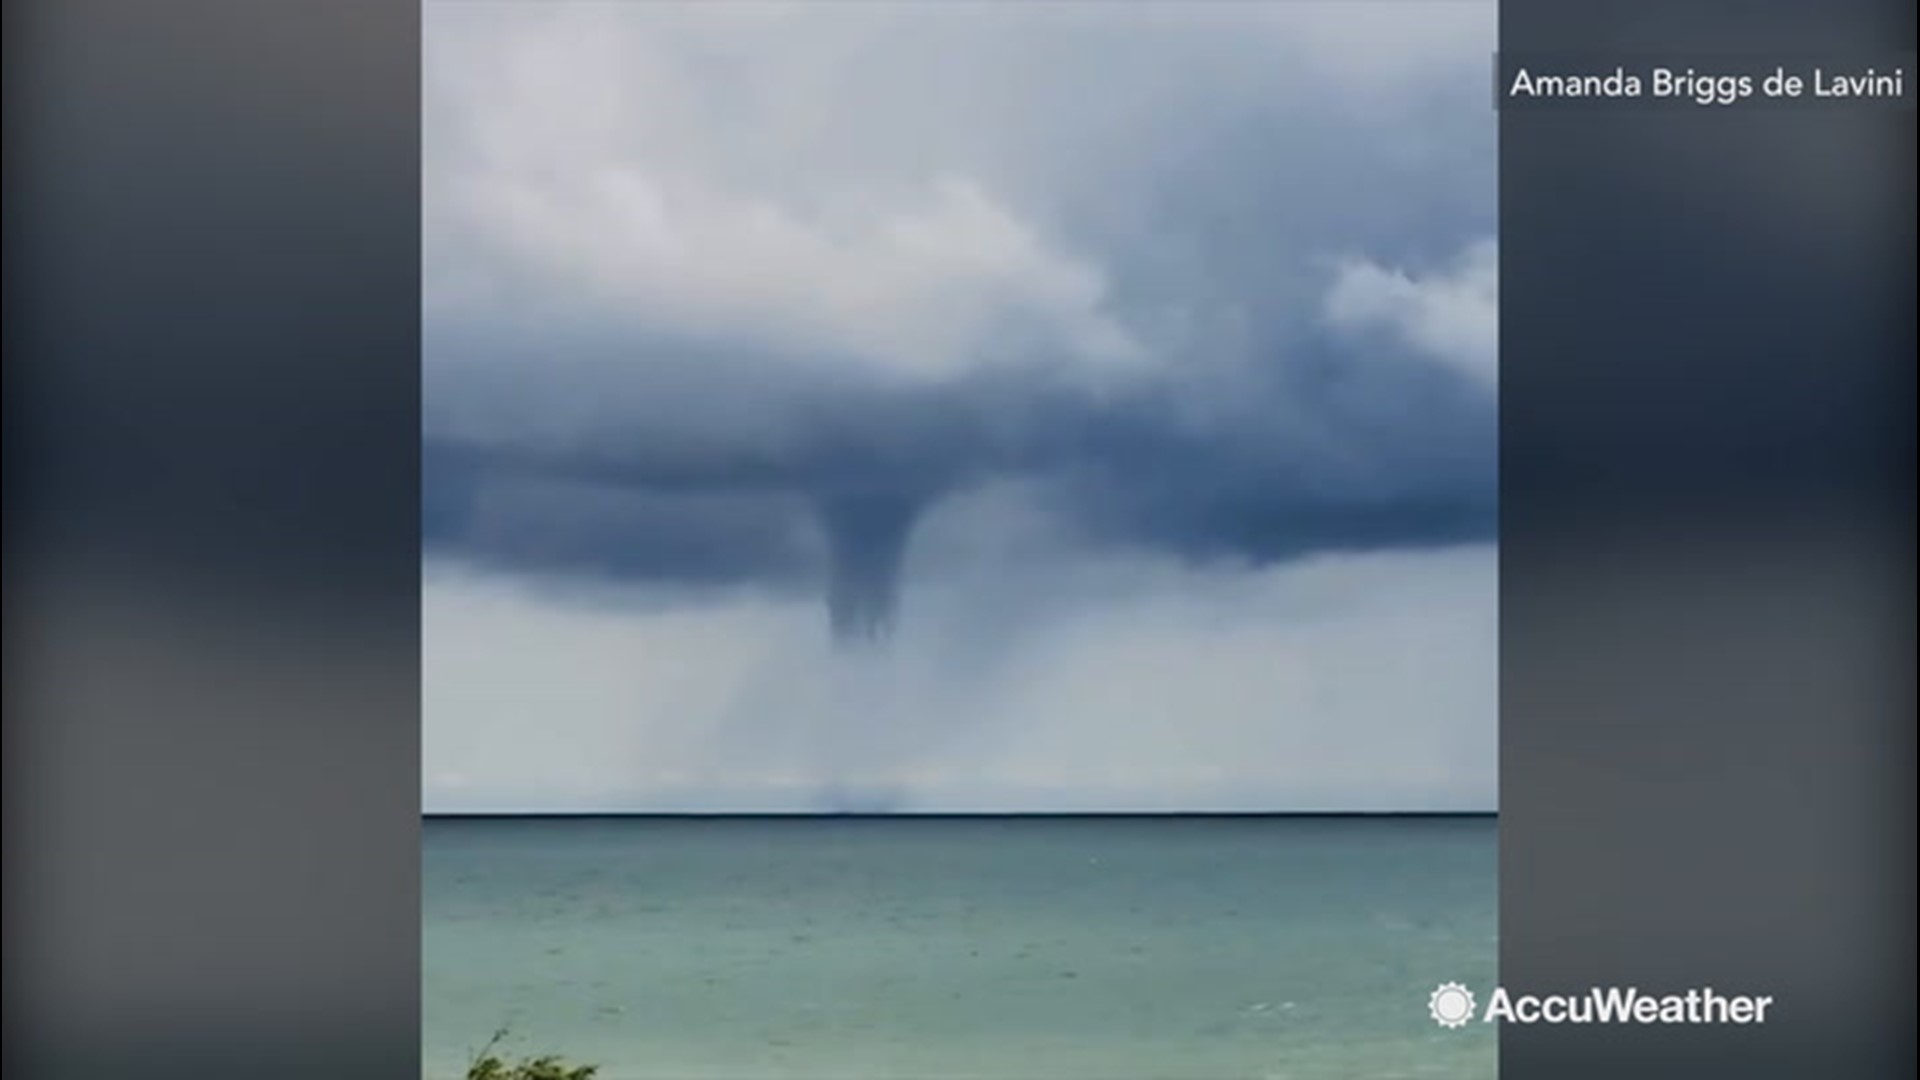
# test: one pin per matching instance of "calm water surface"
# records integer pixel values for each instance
(961, 948)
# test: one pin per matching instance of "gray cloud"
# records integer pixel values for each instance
(1149, 252)
(737, 307)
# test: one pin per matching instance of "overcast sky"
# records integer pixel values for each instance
(1168, 332)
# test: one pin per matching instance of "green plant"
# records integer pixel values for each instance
(487, 1064)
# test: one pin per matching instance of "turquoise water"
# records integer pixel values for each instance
(961, 948)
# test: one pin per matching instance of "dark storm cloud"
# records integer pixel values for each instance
(1381, 452)
(560, 526)
(687, 425)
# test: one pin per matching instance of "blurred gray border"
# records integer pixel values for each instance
(1707, 618)
(212, 595)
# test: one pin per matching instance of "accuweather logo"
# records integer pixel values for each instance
(1452, 1005)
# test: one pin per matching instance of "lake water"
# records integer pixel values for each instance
(1122, 948)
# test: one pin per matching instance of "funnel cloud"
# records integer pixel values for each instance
(993, 407)
(867, 534)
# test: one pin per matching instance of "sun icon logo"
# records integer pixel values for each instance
(1451, 1005)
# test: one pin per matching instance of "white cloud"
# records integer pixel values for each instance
(874, 183)
(1451, 315)
(926, 289)
(587, 164)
